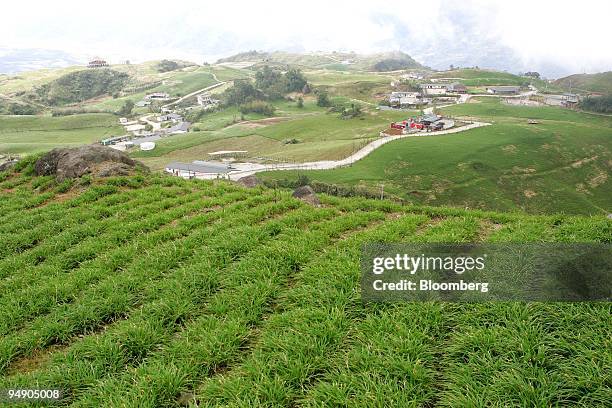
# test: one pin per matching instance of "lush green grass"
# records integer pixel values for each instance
(251, 298)
(31, 134)
(558, 165)
(320, 136)
(481, 77)
(600, 82)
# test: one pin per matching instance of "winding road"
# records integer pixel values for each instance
(247, 169)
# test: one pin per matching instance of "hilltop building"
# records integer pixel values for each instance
(97, 63)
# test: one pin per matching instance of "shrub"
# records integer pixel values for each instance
(260, 107)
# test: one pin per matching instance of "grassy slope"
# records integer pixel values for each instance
(31, 134)
(321, 136)
(601, 82)
(251, 298)
(559, 165)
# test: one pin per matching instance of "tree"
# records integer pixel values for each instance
(295, 80)
(167, 65)
(300, 102)
(242, 92)
(323, 99)
(126, 109)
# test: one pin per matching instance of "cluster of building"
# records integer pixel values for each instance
(428, 91)
(425, 123)
(567, 100)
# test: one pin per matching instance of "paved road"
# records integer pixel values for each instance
(247, 169)
(199, 91)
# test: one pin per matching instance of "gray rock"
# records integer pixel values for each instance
(307, 194)
(97, 160)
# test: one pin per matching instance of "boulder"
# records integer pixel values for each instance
(249, 181)
(96, 160)
(307, 194)
(7, 165)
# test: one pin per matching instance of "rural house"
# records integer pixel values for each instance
(456, 87)
(157, 96)
(206, 100)
(433, 89)
(503, 90)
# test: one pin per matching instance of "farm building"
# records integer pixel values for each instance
(433, 89)
(456, 87)
(503, 90)
(158, 96)
(199, 170)
(97, 63)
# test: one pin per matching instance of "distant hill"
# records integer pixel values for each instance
(381, 62)
(81, 85)
(601, 82)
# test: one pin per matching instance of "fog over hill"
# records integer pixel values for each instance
(516, 36)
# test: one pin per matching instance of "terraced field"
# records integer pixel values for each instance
(155, 291)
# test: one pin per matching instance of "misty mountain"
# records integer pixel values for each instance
(13, 61)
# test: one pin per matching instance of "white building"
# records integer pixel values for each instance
(433, 89)
(158, 96)
(206, 100)
(199, 170)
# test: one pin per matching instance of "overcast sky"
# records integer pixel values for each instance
(511, 34)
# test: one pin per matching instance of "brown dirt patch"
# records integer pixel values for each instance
(530, 193)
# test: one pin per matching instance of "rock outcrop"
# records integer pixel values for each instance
(99, 161)
(307, 194)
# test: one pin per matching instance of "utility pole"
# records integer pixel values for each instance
(382, 191)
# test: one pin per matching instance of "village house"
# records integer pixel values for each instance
(206, 100)
(406, 99)
(433, 89)
(158, 96)
(142, 104)
(200, 170)
(503, 90)
(456, 87)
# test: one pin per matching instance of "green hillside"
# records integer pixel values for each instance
(601, 82)
(33, 134)
(481, 77)
(82, 85)
(381, 62)
(561, 164)
(159, 292)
